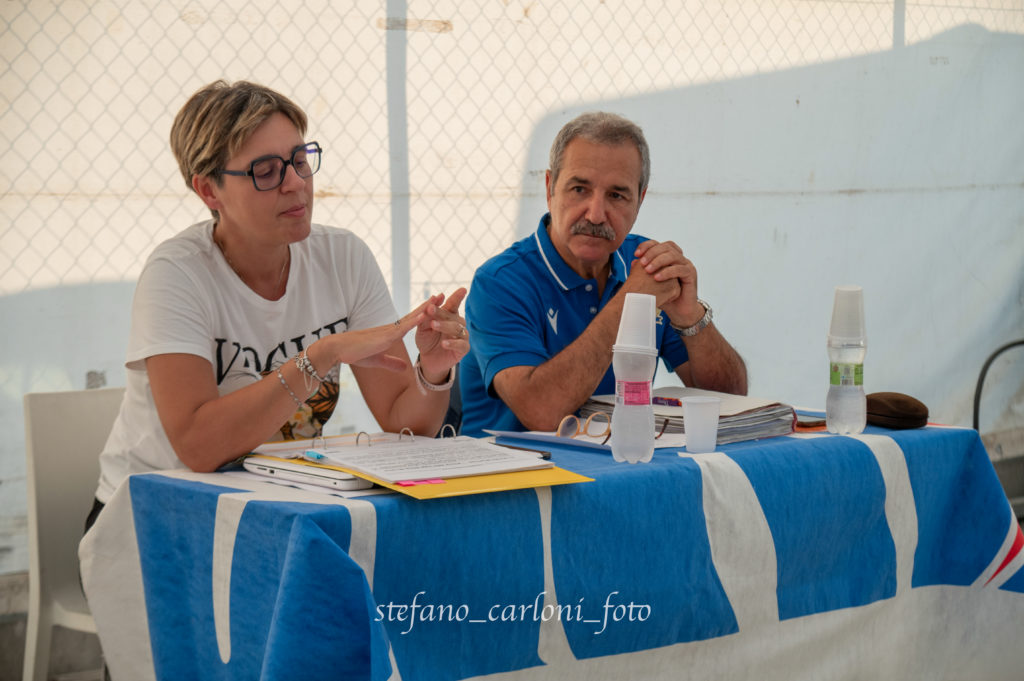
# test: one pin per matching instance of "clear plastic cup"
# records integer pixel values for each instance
(847, 314)
(636, 325)
(700, 421)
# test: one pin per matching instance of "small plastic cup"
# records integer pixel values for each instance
(636, 325)
(848, 313)
(700, 422)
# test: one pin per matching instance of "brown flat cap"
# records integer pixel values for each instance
(896, 410)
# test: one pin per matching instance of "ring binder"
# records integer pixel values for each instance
(466, 465)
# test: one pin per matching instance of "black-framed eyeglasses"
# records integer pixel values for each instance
(267, 172)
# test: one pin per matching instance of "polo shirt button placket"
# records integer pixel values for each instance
(589, 289)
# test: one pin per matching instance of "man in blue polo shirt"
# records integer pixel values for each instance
(544, 314)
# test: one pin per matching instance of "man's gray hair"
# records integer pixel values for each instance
(601, 128)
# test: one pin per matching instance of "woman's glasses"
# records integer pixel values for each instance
(267, 172)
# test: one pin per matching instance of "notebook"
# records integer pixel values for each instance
(298, 470)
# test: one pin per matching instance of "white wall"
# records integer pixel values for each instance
(900, 171)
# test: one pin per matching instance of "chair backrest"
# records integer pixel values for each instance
(64, 435)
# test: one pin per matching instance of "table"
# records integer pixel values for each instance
(892, 555)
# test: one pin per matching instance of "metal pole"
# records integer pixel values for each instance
(396, 43)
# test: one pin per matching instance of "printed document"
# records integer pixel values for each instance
(424, 458)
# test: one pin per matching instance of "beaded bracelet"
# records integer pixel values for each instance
(280, 377)
(308, 370)
(426, 385)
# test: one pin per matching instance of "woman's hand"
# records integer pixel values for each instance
(369, 347)
(441, 336)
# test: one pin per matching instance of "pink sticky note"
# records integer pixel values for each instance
(405, 483)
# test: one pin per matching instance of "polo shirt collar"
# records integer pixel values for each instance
(565, 277)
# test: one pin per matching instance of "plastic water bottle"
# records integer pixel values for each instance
(846, 404)
(633, 359)
(633, 416)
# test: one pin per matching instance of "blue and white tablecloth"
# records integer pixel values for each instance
(891, 555)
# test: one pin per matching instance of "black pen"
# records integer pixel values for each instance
(543, 454)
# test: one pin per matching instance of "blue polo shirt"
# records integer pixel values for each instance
(524, 307)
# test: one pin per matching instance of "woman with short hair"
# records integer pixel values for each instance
(240, 322)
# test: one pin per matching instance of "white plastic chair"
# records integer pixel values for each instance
(64, 434)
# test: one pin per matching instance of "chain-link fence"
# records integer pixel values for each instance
(448, 92)
(425, 111)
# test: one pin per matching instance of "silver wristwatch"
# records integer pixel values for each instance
(696, 328)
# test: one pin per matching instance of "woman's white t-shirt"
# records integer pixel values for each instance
(189, 300)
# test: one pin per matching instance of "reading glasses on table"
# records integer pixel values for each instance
(598, 424)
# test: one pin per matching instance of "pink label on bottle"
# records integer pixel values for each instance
(633, 393)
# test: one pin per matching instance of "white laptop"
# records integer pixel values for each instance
(299, 470)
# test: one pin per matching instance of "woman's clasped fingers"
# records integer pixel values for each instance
(455, 300)
(453, 333)
(445, 318)
(460, 336)
(449, 327)
(444, 330)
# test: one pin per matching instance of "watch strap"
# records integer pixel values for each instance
(696, 328)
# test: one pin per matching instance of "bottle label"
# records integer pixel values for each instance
(633, 393)
(846, 374)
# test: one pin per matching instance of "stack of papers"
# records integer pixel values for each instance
(427, 468)
(428, 458)
(601, 442)
(741, 417)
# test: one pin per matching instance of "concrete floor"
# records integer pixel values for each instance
(75, 655)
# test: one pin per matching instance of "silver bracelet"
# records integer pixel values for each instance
(425, 385)
(308, 370)
(280, 377)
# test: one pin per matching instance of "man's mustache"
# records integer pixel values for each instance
(588, 228)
